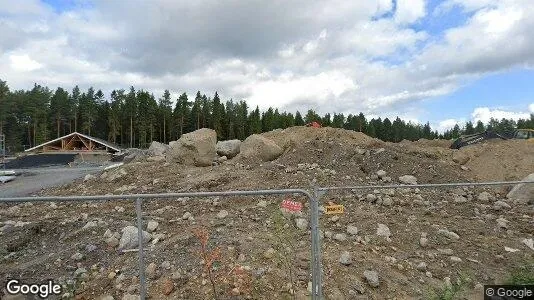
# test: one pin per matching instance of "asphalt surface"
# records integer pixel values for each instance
(31, 181)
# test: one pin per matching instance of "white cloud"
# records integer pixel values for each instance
(531, 108)
(409, 11)
(448, 124)
(485, 114)
(23, 63)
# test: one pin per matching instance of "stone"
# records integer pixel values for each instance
(523, 193)
(90, 248)
(502, 223)
(166, 265)
(129, 239)
(383, 231)
(340, 237)
(484, 197)
(187, 215)
(387, 201)
(116, 174)
(408, 179)
(455, 259)
(258, 147)
(423, 241)
(499, 205)
(229, 148)
(371, 198)
(151, 271)
(460, 199)
(345, 258)
(105, 297)
(269, 253)
(460, 157)
(529, 243)
(195, 148)
(112, 242)
(222, 214)
(112, 275)
(77, 256)
(152, 226)
(381, 173)
(371, 277)
(451, 235)
(301, 223)
(262, 203)
(352, 230)
(421, 266)
(88, 177)
(167, 287)
(446, 251)
(157, 149)
(90, 224)
(130, 297)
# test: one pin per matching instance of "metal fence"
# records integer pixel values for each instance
(313, 198)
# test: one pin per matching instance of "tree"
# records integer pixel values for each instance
(130, 111)
(4, 104)
(59, 107)
(254, 121)
(298, 119)
(480, 127)
(74, 101)
(312, 116)
(114, 116)
(469, 129)
(165, 110)
(182, 114)
(217, 115)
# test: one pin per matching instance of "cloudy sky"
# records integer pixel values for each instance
(424, 60)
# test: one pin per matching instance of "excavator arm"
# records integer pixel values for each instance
(475, 138)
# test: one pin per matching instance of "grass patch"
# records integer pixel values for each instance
(450, 291)
(521, 275)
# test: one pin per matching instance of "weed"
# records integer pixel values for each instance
(450, 291)
(522, 275)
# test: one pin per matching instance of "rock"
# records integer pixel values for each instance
(90, 247)
(222, 214)
(105, 297)
(451, 235)
(381, 173)
(484, 197)
(166, 265)
(386, 179)
(112, 242)
(301, 223)
(88, 177)
(195, 148)
(371, 198)
(155, 158)
(502, 223)
(259, 147)
(130, 297)
(157, 149)
(421, 266)
(80, 272)
(529, 243)
(151, 271)
(77, 256)
(358, 286)
(499, 205)
(523, 193)
(352, 230)
(334, 219)
(129, 238)
(460, 199)
(408, 179)
(455, 259)
(187, 215)
(460, 157)
(341, 237)
(345, 258)
(112, 275)
(269, 253)
(90, 224)
(229, 148)
(387, 201)
(446, 251)
(167, 286)
(371, 277)
(383, 231)
(262, 203)
(116, 174)
(152, 226)
(423, 241)
(222, 159)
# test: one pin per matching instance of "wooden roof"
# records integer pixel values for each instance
(68, 139)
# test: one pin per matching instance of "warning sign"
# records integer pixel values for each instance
(333, 209)
(291, 205)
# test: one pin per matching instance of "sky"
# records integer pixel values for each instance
(431, 61)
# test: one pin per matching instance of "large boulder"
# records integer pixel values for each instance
(133, 155)
(195, 148)
(229, 148)
(157, 149)
(523, 193)
(460, 157)
(259, 147)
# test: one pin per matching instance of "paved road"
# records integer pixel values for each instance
(30, 181)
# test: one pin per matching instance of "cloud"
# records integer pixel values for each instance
(335, 56)
(485, 114)
(448, 124)
(531, 108)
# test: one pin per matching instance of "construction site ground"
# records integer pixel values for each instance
(438, 239)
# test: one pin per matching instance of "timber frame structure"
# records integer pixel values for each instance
(76, 142)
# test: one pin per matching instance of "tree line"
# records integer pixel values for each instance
(134, 118)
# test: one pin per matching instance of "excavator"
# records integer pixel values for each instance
(466, 140)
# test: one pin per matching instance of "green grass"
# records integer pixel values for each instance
(521, 275)
(450, 292)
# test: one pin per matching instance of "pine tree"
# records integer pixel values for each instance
(59, 107)
(299, 121)
(165, 111)
(182, 115)
(254, 121)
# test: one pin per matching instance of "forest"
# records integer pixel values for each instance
(134, 118)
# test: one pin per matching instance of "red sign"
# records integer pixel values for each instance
(291, 205)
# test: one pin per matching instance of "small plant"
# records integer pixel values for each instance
(209, 257)
(283, 241)
(450, 291)
(522, 275)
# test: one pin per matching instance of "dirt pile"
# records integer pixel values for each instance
(392, 243)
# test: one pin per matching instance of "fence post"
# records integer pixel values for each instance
(317, 290)
(142, 279)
